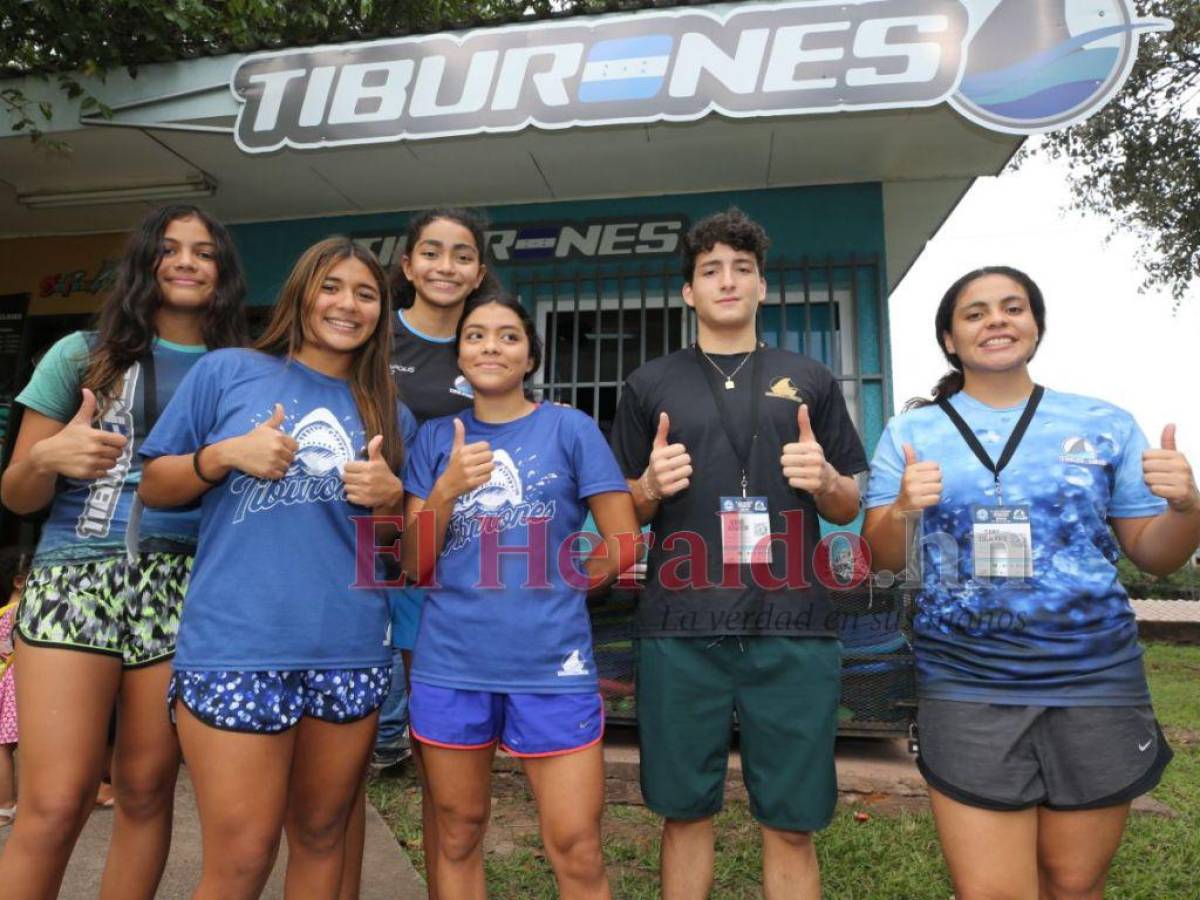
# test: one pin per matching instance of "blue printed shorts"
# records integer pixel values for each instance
(270, 702)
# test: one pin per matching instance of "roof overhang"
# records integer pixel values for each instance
(767, 98)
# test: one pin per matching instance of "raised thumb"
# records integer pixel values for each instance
(664, 425)
(1168, 437)
(375, 448)
(87, 409)
(276, 417)
(910, 455)
(460, 435)
(806, 432)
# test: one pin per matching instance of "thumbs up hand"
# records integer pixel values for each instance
(371, 482)
(920, 485)
(670, 465)
(470, 465)
(1168, 475)
(79, 450)
(264, 451)
(803, 460)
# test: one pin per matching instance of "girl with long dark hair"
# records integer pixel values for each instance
(282, 665)
(1035, 725)
(98, 620)
(443, 264)
(497, 496)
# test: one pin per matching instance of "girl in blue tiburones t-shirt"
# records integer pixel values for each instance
(291, 447)
(504, 653)
(1031, 688)
(101, 585)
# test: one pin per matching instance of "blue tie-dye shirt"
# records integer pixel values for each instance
(1066, 636)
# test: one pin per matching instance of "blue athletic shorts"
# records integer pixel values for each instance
(523, 724)
(270, 702)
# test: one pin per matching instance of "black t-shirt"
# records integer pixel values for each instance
(731, 600)
(426, 373)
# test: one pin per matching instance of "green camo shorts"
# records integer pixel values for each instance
(785, 691)
(128, 609)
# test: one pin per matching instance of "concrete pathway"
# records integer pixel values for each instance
(387, 872)
(1175, 621)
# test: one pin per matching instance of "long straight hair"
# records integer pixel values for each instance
(125, 324)
(371, 382)
(953, 381)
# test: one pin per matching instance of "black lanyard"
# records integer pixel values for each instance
(742, 449)
(1014, 439)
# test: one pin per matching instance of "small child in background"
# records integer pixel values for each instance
(12, 579)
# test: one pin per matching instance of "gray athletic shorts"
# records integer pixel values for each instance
(1062, 757)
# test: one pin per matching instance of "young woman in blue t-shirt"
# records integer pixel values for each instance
(282, 664)
(1035, 725)
(98, 618)
(504, 655)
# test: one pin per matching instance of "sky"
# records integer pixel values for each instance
(1103, 337)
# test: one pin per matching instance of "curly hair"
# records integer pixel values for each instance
(733, 228)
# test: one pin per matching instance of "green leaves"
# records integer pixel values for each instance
(72, 39)
(1138, 160)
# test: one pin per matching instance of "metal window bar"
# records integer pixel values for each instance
(565, 302)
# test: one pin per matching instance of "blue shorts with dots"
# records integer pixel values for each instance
(270, 702)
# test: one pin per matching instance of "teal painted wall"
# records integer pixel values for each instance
(836, 221)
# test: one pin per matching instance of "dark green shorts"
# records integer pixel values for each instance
(785, 691)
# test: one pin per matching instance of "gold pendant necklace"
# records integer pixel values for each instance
(729, 385)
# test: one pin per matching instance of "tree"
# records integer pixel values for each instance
(66, 40)
(1137, 161)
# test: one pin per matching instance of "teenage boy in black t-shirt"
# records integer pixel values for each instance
(724, 444)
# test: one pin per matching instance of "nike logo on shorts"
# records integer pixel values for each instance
(1143, 747)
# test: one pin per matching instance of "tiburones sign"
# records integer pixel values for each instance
(536, 242)
(1010, 65)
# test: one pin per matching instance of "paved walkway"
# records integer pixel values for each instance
(1175, 621)
(1167, 610)
(387, 872)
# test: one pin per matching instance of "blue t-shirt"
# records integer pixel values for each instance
(482, 628)
(1067, 636)
(271, 585)
(90, 519)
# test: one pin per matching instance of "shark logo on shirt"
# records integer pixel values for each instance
(501, 503)
(503, 488)
(315, 475)
(324, 445)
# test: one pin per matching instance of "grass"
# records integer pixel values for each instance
(892, 855)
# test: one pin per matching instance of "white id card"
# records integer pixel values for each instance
(1002, 541)
(745, 525)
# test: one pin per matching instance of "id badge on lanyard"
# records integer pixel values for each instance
(745, 529)
(1001, 534)
(1002, 541)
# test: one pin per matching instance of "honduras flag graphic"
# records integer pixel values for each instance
(631, 68)
(535, 243)
(1069, 64)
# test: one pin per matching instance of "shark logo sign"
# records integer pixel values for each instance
(1060, 72)
(1017, 66)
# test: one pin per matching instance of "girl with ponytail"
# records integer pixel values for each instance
(1036, 729)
